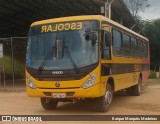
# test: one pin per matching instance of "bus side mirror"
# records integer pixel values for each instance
(91, 36)
(94, 38)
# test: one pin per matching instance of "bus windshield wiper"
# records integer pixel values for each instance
(45, 60)
(64, 46)
(55, 55)
(53, 48)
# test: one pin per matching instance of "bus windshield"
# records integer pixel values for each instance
(63, 46)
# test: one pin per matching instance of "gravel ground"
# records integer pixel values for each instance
(17, 103)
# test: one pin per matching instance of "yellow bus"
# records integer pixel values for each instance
(84, 57)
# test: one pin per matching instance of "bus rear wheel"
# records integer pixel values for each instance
(135, 90)
(104, 102)
(48, 103)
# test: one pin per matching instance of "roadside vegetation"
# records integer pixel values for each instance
(153, 75)
(18, 67)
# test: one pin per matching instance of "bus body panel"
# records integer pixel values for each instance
(67, 87)
(78, 93)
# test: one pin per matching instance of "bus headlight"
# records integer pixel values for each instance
(90, 82)
(31, 84)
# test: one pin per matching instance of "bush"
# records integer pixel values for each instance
(152, 75)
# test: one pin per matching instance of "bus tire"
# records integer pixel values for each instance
(104, 102)
(48, 104)
(136, 90)
(129, 91)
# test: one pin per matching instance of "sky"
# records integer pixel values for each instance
(152, 12)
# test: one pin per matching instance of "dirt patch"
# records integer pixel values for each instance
(18, 103)
(144, 107)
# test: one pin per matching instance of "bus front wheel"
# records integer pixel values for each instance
(104, 102)
(48, 104)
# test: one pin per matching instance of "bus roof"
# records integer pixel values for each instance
(69, 18)
(123, 27)
(87, 17)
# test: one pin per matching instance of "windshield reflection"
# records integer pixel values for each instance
(62, 50)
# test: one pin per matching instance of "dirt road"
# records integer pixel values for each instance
(17, 103)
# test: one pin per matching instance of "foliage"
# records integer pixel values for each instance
(152, 32)
(152, 75)
(18, 68)
(136, 6)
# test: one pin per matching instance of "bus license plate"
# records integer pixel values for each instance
(58, 95)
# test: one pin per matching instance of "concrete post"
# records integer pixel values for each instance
(158, 73)
(12, 60)
(108, 6)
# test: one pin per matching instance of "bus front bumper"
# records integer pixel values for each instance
(92, 92)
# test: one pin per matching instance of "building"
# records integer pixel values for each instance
(17, 15)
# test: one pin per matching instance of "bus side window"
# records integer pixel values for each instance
(134, 47)
(106, 54)
(145, 50)
(140, 49)
(126, 45)
(117, 42)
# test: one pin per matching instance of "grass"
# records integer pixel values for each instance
(18, 67)
(152, 75)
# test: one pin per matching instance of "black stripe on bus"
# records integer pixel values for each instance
(114, 69)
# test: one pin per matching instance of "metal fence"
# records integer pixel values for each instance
(12, 61)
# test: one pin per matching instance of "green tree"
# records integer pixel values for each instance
(152, 32)
(136, 6)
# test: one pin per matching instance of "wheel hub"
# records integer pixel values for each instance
(108, 97)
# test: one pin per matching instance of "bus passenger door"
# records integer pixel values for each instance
(105, 56)
(106, 43)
